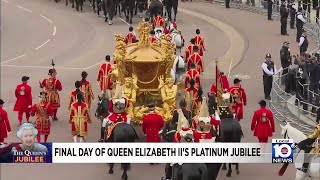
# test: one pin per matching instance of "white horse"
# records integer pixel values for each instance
(178, 69)
(177, 40)
(289, 132)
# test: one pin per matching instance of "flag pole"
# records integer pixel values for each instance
(217, 77)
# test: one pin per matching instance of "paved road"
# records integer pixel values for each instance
(79, 41)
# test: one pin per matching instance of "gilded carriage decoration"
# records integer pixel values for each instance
(143, 68)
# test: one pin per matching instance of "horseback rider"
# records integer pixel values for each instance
(203, 124)
(117, 108)
(310, 146)
(158, 21)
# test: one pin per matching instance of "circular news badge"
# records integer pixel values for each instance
(283, 150)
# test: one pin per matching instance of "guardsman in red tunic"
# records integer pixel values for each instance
(151, 125)
(5, 127)
(158, 21)
(23, 94)
(239, 97)
(203, 123)
(79, 118)
(196, 59)
(263, 123)
(199, 40)
(153, 39)
(192, 73)
(189, 50)
(52, 85)
(42, 110)
(86, 88)
(73, 94)
(104, 80)
(131, 37)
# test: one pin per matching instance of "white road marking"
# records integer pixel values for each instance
(41, 67)
(93, 65)
(42, 44)
(24, 8)
(230, 67)
(54, 30)
(124, 21)
(46, 18)
(5, 1)
(13, 59)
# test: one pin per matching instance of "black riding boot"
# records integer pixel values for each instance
(168, 171)
(102, 134)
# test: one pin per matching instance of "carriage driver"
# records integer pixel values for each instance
(310, 145)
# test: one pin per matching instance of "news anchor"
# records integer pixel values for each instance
(28, 133)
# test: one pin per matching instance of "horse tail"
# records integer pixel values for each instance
(204, 170)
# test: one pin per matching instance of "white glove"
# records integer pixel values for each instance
(29, 106)
(98, 82)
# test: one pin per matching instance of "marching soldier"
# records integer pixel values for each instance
(52, 85)
(269, 70)
(131, 36)
(189, 50)
(197, 102)
(73, 94)
(151, 125)
(196, 59)
(23, 103)
(104, 78)
(192, 73)
(5, 127)
(263, 123)
(199, 41)
(239, 97)
(191, 94)
(79, 118)
(86, 88)
(42, 110)
(153, 39)
(158, 21)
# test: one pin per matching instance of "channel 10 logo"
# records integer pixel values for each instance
(282, 150)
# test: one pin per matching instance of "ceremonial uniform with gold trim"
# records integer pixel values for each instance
(114, 116)
(42, 110)
(189, 51)
(79, 118)
(263, 124)
(193, 74)
(104, 76)
(130, 38)
(4, 124)
(240, 98)
(73, 97)
(197, 60)
(180, 134)
(52, 86)
(158, 21)
(151, 125)
(24, 100)
(86, 88)
(199, 41)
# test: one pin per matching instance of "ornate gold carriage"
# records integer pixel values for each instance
(143, 69)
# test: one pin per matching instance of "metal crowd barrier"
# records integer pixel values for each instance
(279, 103)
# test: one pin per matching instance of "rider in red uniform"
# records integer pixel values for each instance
(240, 98)
(158, 21)
(131, 37)
(24, 99)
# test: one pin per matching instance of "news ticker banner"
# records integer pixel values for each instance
(278, 151)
